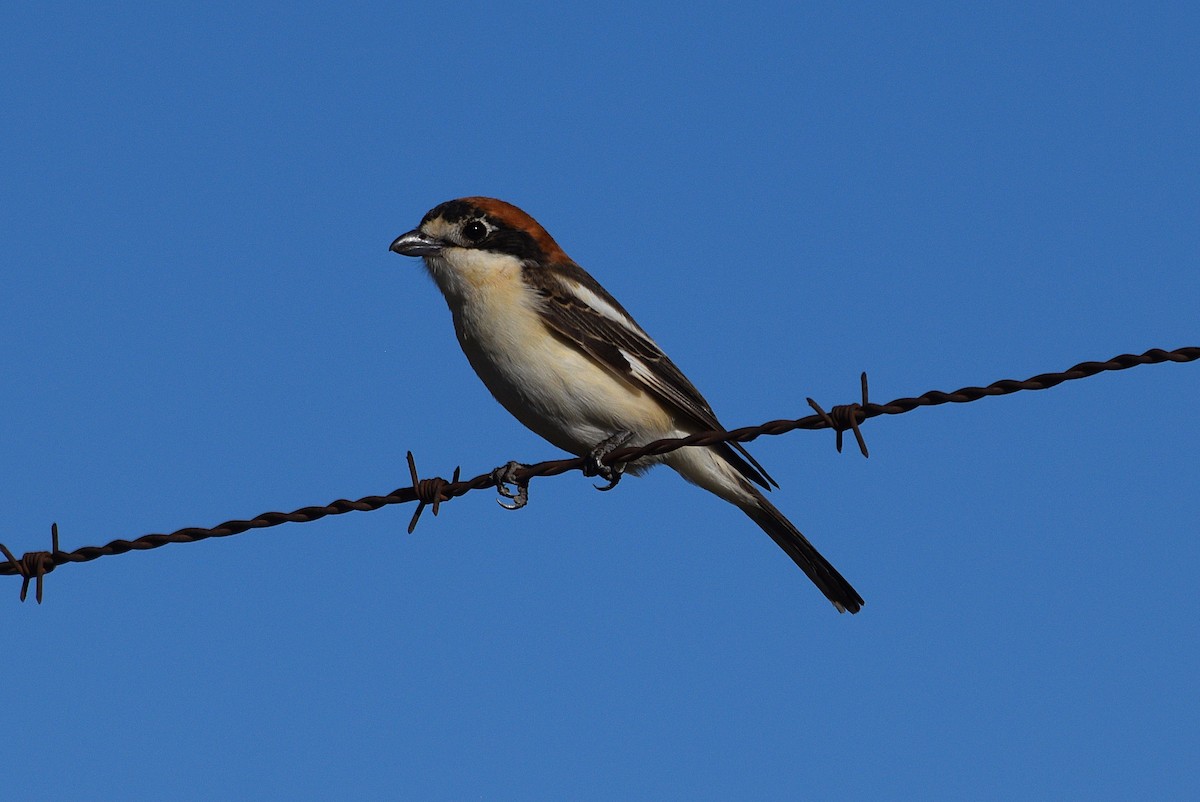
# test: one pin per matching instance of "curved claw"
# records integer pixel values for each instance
(595, 461)
(504, 476)
(519, 501)
(611, 484)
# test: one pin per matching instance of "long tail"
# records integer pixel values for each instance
(824, 576)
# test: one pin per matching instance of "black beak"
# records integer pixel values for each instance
(414, 243)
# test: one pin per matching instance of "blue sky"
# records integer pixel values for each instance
(200, 321)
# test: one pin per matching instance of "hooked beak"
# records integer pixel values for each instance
(414, 243)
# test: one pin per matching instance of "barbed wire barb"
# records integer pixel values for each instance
(845, 416)
(429, 492)
(34, 565)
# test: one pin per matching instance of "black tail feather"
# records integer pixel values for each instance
(844, 597)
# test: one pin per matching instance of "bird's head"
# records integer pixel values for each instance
(459, 233)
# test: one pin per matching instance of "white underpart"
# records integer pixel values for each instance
(554, 389)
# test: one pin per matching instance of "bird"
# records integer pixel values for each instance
(566, 359)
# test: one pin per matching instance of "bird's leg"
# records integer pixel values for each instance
(506, 475)
(595, 465)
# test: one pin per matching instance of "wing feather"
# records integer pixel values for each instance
(579, 310)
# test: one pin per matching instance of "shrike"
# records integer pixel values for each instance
(566, 359)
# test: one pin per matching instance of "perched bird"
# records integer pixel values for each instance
(566, 359)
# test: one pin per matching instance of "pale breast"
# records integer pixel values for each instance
(554, 389)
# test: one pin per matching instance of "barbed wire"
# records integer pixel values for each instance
(34, 565)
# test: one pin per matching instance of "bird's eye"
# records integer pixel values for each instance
(474, 231)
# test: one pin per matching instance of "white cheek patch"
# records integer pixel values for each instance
(438, 229)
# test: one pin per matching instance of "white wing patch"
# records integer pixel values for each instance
(650, 378)
(604, 308)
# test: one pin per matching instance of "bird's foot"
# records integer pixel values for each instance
(506, 475)
(595, 465)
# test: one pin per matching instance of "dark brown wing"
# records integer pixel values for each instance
(602, 328)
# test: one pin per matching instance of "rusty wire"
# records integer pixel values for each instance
(34, 565)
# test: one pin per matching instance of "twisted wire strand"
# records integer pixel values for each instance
(432, 492)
